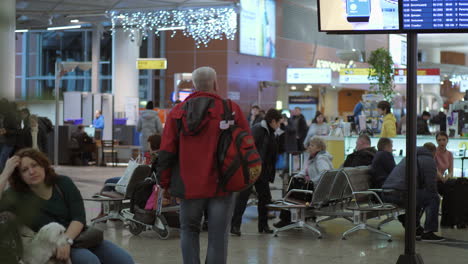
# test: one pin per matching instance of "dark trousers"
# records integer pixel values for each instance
(262, 187)
(426, 202)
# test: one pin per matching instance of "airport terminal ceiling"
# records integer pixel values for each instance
(43, 13)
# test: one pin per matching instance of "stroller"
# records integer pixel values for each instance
(160, 220)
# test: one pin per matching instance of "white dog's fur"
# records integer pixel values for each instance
(44, 244)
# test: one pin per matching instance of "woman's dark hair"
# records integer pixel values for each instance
(16, 181)
(273, 114)
(383, 142)
(442, 133)
(149, 105)
(317, 114)
(385, 106)
(155, 142)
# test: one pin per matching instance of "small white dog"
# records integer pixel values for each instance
(43, 246)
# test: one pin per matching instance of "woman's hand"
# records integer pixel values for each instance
(63, 253)
(10, 166)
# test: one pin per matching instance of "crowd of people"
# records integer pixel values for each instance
(21, 129)
(194, 126)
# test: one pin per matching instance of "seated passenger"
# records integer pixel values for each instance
(427, 198)
(363, 155)
(154, 143)
(319, 161)
(82, 145)
(383, 163)
(38, 196)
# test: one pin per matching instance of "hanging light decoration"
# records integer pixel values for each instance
(202, 24)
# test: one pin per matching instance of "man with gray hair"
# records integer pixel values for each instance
(188, 169)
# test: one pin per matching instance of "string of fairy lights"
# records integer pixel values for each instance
(201, 24)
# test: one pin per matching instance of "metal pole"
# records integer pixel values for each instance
(162, 73)
(410, 256)
(56, 130)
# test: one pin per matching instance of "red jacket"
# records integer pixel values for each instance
(187, 158)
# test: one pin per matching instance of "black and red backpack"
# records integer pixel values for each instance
(239, 162)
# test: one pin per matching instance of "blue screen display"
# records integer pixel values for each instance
(358, 8)
(435, 15)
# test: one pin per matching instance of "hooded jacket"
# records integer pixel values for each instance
(317, 165)
(361, 157)
(388, 126)
(382, 165)
(187, 157)
(426, 171)
(148, 124)
(267, 146)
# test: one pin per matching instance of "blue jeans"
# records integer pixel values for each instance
(106, 253)
(110, 188)
(5, 152)
(219, 222)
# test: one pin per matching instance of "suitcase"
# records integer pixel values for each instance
(454, 203)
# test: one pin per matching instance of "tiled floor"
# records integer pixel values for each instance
(291, 247)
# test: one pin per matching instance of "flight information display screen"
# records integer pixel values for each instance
(435, 15)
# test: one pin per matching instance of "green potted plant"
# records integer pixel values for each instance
(381, 73)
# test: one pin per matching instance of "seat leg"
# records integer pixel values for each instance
(288, 227)
(353, 229)
(385, 221)
(313, 229)
(375, 230)
(349, 219)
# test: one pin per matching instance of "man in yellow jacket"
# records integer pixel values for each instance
(389, 121)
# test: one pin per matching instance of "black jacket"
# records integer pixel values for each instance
(11, 123)
(361, 157)
(423, 127)
(382, 165)
(265, 141)
(45, 127)
(256, 120)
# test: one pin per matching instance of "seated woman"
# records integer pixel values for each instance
(319, 161)
(383, 163)
(443, 158)
(38, 196)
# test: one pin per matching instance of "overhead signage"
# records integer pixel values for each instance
(358, 15)
(398, 49)
(151, 64)
(303, 100)
(425, 76)
(308, 76)
(423, 15)
(234, 96)
(354, 76)
(334, 66)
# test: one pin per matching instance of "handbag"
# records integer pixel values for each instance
(302, 184)
(121, 185)
(89, 237)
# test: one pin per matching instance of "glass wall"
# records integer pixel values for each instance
(38, 51)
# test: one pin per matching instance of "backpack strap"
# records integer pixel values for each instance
(227, 116)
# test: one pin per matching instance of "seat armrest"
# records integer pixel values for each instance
(369, 192)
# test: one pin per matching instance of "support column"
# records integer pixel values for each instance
(96, 58)
(124, 72)
(7, 48)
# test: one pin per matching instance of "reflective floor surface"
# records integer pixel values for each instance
(296, 246)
